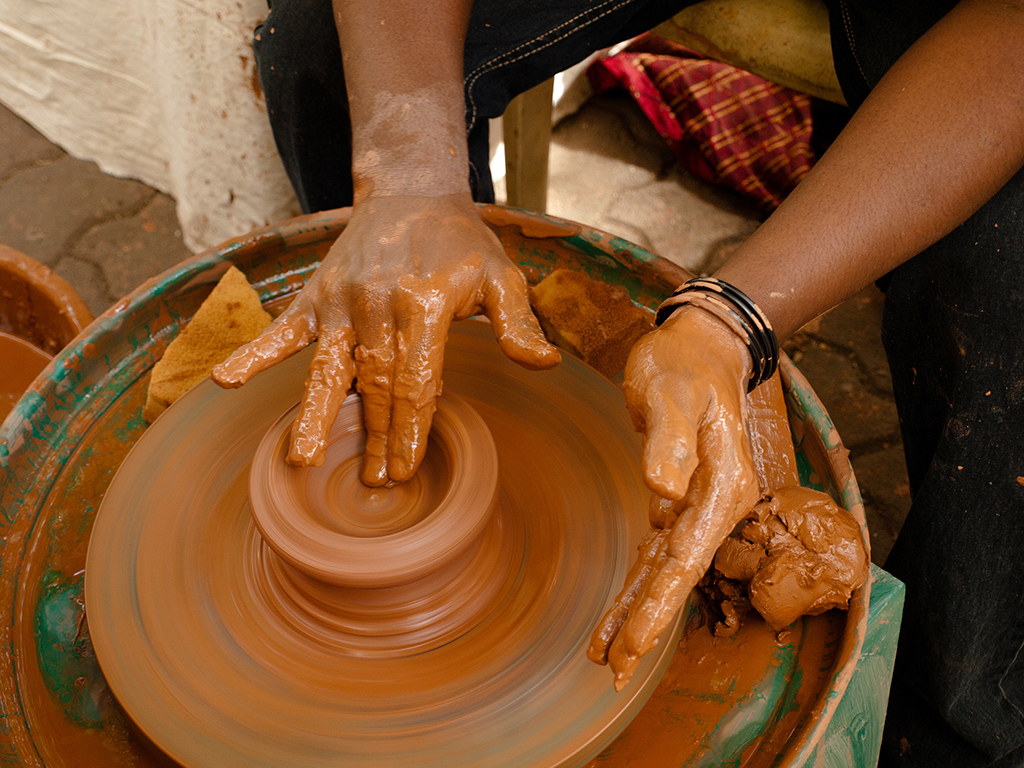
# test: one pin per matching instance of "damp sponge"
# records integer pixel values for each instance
(229, 317)
(595, 321)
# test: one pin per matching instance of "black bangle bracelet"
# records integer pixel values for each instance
(761, 340)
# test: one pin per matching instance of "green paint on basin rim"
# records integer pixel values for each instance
(94, 385)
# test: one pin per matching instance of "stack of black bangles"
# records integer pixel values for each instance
(719, 296)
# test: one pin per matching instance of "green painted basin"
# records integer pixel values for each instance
(62, 443)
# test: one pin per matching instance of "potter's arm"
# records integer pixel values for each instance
(403, 72)
(938, 136)
(415, 254)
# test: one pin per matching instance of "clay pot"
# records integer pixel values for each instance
(324, 522)
(37, 305)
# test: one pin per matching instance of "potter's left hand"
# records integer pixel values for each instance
(685, 389)
(380, 307)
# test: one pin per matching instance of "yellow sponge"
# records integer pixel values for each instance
(595, 321)
(229, 317)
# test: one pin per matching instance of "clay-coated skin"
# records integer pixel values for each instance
(685, 390)
(380, 307)
(415, 256)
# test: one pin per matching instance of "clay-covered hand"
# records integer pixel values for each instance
(685, 389)
(380, 306)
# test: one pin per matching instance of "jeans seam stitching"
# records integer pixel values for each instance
(1001, 679)
(499, 62)
(848, 26)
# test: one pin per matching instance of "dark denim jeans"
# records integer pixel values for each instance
(953, 332)
(952, 328)
(512, 45)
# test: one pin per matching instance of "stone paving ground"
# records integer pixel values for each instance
(609, 170)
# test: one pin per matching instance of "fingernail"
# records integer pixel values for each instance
(374, 472)
(305, 452)
(224, 377)
(401, 470)
(663, 479)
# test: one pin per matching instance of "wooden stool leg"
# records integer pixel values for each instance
(527, 127)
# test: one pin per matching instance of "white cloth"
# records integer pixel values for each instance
(164, 91)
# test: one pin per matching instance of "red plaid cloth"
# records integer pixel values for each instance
(725, 125)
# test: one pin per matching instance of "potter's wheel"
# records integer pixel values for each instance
(202, 640)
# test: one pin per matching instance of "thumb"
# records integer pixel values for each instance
(516, 327)
(670, 451)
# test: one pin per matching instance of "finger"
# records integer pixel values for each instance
(717, 499)
(662, 512)
(293, 330)
(666, 587)
(417, 384)
(670, 448)
(649, 553)
(374, 361)
(515, 326)
(330, 376)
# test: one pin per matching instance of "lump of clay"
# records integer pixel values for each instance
(797, 553)
(229, 317)
(597, 322)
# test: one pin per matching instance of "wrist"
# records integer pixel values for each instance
(410, 144)
(739, 313)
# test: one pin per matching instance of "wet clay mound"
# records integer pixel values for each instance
(225, 653)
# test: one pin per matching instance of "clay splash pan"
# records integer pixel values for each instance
(77, 424)
(201, 643)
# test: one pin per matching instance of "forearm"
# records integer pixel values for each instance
(939, 135)
(403, 71)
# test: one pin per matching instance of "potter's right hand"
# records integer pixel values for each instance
(685, 387)
(380, 307)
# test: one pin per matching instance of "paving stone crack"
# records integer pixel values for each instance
(28, 166)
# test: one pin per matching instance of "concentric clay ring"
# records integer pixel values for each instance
(226, 655)
(325, 523)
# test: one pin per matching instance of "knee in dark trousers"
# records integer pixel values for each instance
(301, 74)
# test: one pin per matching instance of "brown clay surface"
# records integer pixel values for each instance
(39, 315)
(20, 363)
(324, 522)
(796, 554)
(59, 554)
(814, 557)
(730, 700)
(680, 719)
(38, 305)
(223, 654)
(529, 225)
